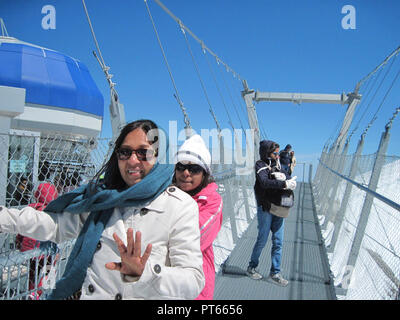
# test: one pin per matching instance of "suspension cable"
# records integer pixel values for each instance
(218, 88)
(395, 52)
(193, 35)
(176, 95)
(228, 68)
(199, 76)
(101, 60)
(386, 94)
(363, 102)
(230, 95)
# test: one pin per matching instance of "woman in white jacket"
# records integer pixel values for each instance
(162, 260)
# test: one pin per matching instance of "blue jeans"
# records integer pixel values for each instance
(268, 222)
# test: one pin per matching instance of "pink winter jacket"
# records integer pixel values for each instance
(210, 216)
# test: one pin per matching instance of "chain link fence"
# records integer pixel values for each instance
(33, 158)
(357, 200)
(66, 162)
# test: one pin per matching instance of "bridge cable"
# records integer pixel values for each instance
(199, 76)
(380, 68)
(185, 28)
(117, 112)
(360, 83)
(222, 98)
(385, 96)
(378, 88)
(162, 6)
(232, 100)
(176, 95)
(230, 95)
(365, 98)
(218, 88)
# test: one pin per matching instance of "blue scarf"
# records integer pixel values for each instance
(101, 206)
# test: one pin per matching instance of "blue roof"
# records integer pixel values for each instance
(50, 78)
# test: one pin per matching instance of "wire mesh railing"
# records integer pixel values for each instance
(34, 159)
(66, 162)
(360, 218)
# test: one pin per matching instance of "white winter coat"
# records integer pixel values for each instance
(170, 223)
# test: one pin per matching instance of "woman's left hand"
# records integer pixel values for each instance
(132, 263)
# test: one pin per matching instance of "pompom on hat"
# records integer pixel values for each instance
(194, 150)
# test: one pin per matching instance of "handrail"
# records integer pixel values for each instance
(389, 202)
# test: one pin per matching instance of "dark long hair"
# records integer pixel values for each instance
(112, 176)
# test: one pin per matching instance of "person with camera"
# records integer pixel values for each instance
(274, 196)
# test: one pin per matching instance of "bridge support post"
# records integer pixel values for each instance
(338, 218)
(338, 165)
(248, 96)
(366, 209)
(228, 204)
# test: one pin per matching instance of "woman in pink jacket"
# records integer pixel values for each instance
(193, 175)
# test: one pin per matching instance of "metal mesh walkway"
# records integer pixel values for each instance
(304, 260)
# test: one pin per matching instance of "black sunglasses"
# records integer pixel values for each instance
(193, 168)
(142, 154)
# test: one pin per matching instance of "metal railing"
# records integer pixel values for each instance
(239, 209)
(34, 158)
(37, 158)
(358, 205)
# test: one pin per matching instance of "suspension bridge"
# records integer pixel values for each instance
(341, 238)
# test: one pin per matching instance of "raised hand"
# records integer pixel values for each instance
(132, 263)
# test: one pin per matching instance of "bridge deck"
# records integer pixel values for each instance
(304, 260)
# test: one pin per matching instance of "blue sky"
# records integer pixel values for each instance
(287, 46)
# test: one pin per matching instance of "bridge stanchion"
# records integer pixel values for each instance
(335, 180)
(325, 177)
(243, 187)
(345, 200)
(366, 209)
(231, 209)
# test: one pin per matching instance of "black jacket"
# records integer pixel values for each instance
(266, 188)
(284, 157)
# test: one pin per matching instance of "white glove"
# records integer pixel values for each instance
(291, 184)
(279, 176)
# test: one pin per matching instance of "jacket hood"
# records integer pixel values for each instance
(45, 193)
(266, 147)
